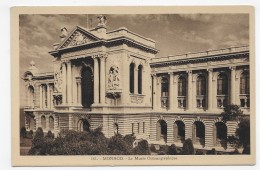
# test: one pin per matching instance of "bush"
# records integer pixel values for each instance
(235, 152)
(246, 150)
(199, 152)
(23, 132)
(30, 134)
(152, 148)
(164, 148)
(161, 153)
(142, 148)
(172, 150)
(118, 146)
(211, 152)
(50, 135)
(188, 148)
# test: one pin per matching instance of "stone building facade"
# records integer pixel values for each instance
(112, 79)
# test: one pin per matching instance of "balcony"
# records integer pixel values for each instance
(244, 100)
(201, 101)
(164, 102)
(222, 101)
(181, 101)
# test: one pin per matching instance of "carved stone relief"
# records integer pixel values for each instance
(58, 80)
(113, 78)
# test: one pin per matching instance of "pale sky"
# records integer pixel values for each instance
(173, 33)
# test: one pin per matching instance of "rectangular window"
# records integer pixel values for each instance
(138, 127)
(132, 127)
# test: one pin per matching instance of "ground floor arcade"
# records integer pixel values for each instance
(206, 131)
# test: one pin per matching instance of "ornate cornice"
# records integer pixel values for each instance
(199, 60)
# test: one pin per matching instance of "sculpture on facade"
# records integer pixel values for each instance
(57, 80)
(113, 78)
(102, 20)
(113, 82)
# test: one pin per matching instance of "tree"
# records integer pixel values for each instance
(243, 133)
(23, 132)
(242, 136)
(231, 113)
(188, 148)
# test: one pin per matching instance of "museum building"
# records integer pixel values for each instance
(112, 79)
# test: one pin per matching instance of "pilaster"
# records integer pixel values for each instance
(171, 92)
(96, 80)
(210, 71)
(64, 82)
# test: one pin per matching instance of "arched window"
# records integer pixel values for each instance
(132, 78)
(222, 85)
(244, 83)
(165, 86)
(182, 86)
(140, 77)
(51, 122)
(44, 92)
(201, 85)
(43, 122)
(31, 96)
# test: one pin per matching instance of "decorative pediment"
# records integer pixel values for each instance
(78, 37)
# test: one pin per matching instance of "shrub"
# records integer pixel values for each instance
(161, 153)
(235, 152)
(199, 152)
(172, 150)
(142, 148)
(164, 148)
(118, 146)
(30, 134)
(129, 139)
(38, 143)
(211, 152)
(50, 135)
(246, 150)
(188, 148)
(23, 132)
(152, 148)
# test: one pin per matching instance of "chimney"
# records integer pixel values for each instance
(63, 33)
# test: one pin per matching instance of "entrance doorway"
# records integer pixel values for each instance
(87, 86)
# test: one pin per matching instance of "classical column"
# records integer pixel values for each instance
(154, 91)
(51, 88)
(40, 96)
(48, 96)
(69, 88)
(64, 81)
(175, 93)
(210, 71)
(136, 80)
(233, 81)
(171, 94)
(159, 85)
(102, 79)
(79, 92)
(189, 89)
(96, 80)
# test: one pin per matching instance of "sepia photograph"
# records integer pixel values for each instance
(135, 87)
